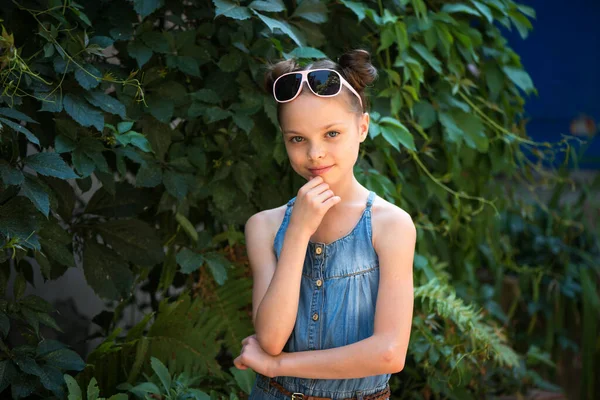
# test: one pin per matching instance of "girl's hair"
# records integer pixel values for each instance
(354, 65)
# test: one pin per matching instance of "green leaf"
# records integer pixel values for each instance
(358, 8)
(269, 6)
(159, 136)
(467, 126)
(50, 164)
(65, 359)
(47, 346)
(189, 261)
(454, 133)
(50, 102)
(388, 36)
(281, 25)
(494, 79)
(187, 226)
(230, 62)
(218, 266)
(36, 192)
(458, 8)
(244, 378)
(521, 22)
(83, 164)
(106, 272)
(175, 183)
(21, 129)
(474, 133)
(244, 122)
(144, 388)
(147, 7)
(136, 139)
(149, 175)
(23, 385)
(140, 52)
(425, 114)
(395, 132)
(485, 10)
(230, 9)
(18, 217)
(64, 144)
(124, 126)
(14, 114)
(73, 388)
(206, 96)
(428, 56)
(160, 108)
(157, 41)
(306, 52)
(90, 79)
(81, 112)
(106, 103)
(162, 372)
(519, 77)
(10, 175)
(93, 392)
(188, 65)
(244, 176)
(133, 239)
(8, 374)
(401, 35)
(214, 114)
(311, 10)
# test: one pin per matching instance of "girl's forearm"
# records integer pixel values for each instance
(276, 315)
(370, 356)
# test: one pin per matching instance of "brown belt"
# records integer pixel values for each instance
(381, 395)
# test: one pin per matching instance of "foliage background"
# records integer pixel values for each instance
(159, 104)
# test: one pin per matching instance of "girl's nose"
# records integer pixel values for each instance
(316, 151)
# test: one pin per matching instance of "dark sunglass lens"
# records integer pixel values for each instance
(324, 83)
(287, 87)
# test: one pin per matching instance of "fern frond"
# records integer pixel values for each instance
(485, 338)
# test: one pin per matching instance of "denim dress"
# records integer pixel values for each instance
(338, 293)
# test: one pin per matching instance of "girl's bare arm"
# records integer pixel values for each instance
(276, 288)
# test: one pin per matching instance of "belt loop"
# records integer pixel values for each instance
(359, 395)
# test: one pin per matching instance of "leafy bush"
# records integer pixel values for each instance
(136, 142)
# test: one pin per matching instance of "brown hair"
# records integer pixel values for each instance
(354, 65)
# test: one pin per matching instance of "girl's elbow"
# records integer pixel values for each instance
(393, 359)
(269, 346)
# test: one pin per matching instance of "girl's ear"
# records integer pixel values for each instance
(363, 126)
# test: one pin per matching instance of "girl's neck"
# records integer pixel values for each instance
(350, 191)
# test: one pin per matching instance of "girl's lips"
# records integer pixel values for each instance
(320, 171)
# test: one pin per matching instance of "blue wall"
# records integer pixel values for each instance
(562, 55)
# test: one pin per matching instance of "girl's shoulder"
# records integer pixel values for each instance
(266, 221)
(387, 220)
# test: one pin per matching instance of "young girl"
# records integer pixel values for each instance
(333, 287)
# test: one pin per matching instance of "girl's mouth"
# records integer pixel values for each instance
(320, 171)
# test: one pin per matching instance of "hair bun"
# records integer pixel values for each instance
(357, 68)
(274, 71)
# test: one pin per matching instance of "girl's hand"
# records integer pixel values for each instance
(253, 356)
(313, 201)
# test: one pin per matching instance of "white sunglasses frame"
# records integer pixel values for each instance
(304, 74)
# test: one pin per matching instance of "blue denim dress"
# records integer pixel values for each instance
(338, 293)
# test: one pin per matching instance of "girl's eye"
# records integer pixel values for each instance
(336, 133)
(295, 137)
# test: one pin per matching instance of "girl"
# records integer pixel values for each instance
(332, 269)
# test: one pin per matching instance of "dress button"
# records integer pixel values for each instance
(319, 282)
(315, 316)
(319, 250)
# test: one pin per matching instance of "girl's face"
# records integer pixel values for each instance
(322, 132)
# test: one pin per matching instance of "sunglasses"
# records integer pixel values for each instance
(322, 82)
